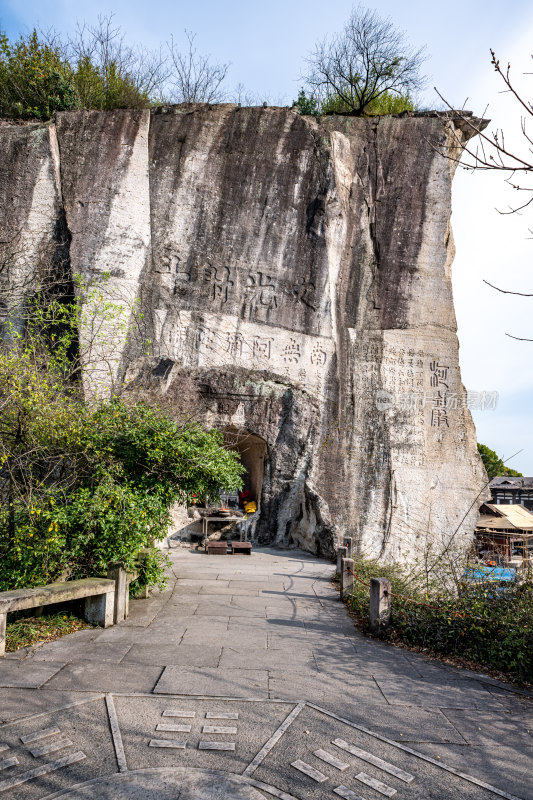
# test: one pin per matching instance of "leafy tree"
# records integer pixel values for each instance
(494, 464)
(34, 79)
(82, 484)
(367, 59)
(307, 106)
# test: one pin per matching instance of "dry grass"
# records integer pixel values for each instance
(36, 630)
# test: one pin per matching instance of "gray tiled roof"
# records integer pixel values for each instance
(504, 482)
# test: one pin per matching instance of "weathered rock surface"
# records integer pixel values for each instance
(294, 279)
(104, 174)
(30, 211)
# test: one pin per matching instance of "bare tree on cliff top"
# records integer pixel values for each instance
(490, 151)
(101, 62)
(104, 46)
(367, 59)
(193, 78)
(99, 54)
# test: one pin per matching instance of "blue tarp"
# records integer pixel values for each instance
(481, 574)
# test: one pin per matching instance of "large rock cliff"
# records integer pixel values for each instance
(293, 275)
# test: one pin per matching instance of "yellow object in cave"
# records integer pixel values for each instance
(250, 507)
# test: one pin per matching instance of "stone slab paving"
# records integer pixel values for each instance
(246, 680)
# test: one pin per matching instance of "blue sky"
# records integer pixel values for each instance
(266, 44)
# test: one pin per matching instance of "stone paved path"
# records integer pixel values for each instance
(247, 680)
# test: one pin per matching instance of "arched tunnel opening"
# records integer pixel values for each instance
(254, 453)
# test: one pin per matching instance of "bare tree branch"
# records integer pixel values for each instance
(103, 46)
(506, 291)
(492, 153)
(193, 79)
(367, 59)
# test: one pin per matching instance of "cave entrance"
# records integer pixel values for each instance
(253, 452)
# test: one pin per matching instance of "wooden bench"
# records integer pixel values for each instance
(217, 548)
(99, 595)
(242, 547)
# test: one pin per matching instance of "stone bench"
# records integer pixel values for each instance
(99, 595)
(117, 572)
(242, 547)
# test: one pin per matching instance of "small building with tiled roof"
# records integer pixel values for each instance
(512, 491)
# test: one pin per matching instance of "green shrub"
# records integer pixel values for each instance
(34, 80)
(107, 87)
(126, 465)
(83, 484)
(482, 624)
(307, 105)
(151, 571)
(386, 103)
(390, 103)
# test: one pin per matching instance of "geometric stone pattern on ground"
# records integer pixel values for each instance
(278, 618)
(280, 749)
(168, 784)
(56, 750)
(139, 718)
(397, 772)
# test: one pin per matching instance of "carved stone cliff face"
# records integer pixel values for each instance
(295, 278)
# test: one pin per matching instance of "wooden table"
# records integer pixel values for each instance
(206, 520)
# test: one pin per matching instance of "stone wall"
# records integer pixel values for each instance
(293, 277)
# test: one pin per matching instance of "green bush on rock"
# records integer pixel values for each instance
(37, 79)
(34, 80)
